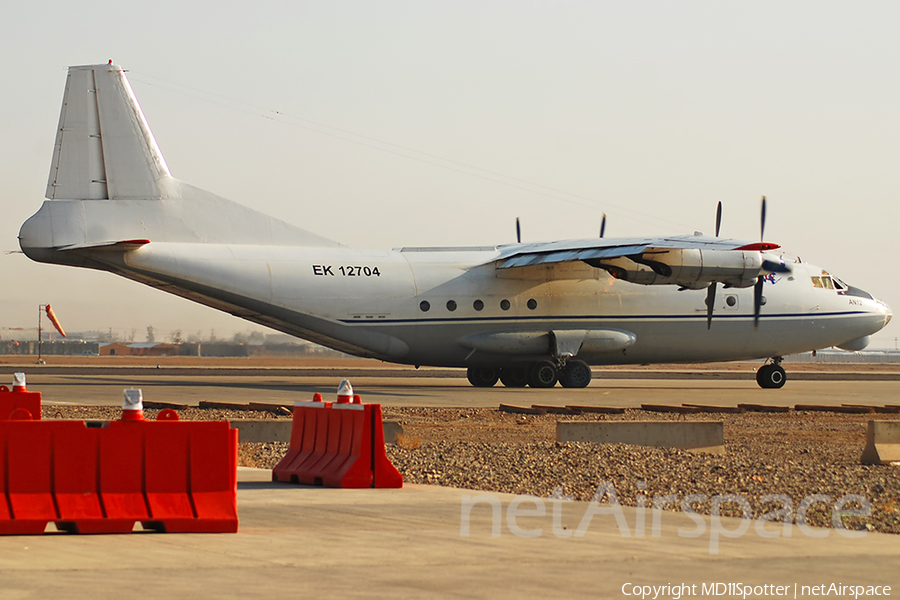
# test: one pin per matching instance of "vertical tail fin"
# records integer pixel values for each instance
(104, 148)
(106, 173)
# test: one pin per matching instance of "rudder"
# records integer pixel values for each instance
(104, 148)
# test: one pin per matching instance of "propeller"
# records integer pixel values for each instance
(767, 266)
(711, 290)
(757, 300)
(762, 220)
(519, 231)
(718, 217)
(603, 225)
(760, 280)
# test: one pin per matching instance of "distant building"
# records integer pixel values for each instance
(219, 349)
(55, 348)
(139, 349)
(114, 349)
(224, 349)
(153, 349)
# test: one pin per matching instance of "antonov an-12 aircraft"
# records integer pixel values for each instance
(524, 314)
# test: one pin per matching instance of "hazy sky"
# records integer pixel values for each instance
(384, 124)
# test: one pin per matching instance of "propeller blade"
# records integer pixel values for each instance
(603, 225)
(518, 231)
(718, 217)
(770, 266)
(757, 300)
(710, 302)
(762, 220)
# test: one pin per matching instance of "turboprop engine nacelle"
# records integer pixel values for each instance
(689, 268)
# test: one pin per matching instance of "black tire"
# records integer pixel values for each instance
(514, 377)
(482, 376)
(577, 374)
(771, 377)
(542, 374)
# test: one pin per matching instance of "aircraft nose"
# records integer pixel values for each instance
(879, 308)
(882, 309)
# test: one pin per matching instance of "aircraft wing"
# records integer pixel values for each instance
(691, 261)
(524, 255)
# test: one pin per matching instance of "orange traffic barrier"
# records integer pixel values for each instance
(19, 403)
(171, 476)
(338, 445)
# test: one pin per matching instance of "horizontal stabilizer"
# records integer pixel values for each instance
(112, 246)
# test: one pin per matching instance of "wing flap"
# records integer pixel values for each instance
(574, 255)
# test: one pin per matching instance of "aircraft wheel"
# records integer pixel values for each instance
(577, 374)
(542, 374)
(482, 376)
(515, 377)
(771, 376)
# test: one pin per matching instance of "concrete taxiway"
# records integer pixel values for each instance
(104, 387)
(297, 541)
(190, 380)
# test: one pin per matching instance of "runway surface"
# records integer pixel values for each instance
(102, 386)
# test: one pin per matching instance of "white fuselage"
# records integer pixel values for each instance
(371, 303)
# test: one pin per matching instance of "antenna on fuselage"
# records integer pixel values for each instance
(518, 231)
(603, 225)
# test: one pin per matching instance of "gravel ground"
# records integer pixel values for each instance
(796, 454)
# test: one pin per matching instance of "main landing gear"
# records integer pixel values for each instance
(541, 374)
(771, 375)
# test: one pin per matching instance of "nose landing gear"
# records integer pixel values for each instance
(771, 375)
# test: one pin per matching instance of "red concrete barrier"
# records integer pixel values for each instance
(19, 403)
(337, 445)
(28, 484)
(170, 476)
(77, 481)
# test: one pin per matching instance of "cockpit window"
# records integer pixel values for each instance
(845, 289)
(824, 282)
